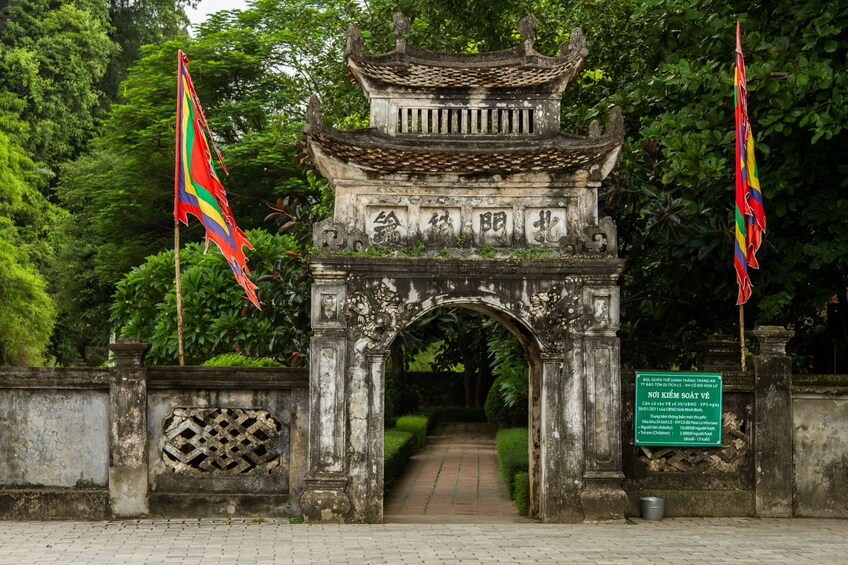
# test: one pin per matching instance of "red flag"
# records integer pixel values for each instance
(749, 211)
(197, 189)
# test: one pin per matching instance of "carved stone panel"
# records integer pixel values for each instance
(544, 226)
(492, 226)
(439, 226)
(328, 305)
(387, 225)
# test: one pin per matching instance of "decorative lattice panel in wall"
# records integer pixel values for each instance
(729, 458)
(233, 441)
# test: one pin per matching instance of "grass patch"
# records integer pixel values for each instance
(416, 425)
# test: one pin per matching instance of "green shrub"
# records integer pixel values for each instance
(521, 493)
(498, 410)
(416, 425)
(398, 447)
(506, 402)
(240, 360)
(512, 448)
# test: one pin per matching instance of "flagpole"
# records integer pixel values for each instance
(180, 345)
(742, 334)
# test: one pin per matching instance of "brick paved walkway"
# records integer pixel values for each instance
(248, 542)
(453, 479)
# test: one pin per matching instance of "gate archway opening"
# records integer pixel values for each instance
(470, 368)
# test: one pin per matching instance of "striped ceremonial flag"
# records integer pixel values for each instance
(198, 191)
(750, 214)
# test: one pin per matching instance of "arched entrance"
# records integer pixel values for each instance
(563, 311)
(531, 349)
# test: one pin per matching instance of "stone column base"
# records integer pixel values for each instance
(325, 500)
(602, 497)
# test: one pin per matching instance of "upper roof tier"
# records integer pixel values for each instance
(518, 68)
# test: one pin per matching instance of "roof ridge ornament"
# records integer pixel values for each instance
(615, 123)
(354, 43)
(527, 31)
(314, 119)
(401, 28)
(575, 46)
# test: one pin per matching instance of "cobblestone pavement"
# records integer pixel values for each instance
(454, 478)
(253, 542)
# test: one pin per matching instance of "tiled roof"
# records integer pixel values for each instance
(375, 151)
(520, 67)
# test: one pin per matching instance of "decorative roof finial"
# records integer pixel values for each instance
(314, 119)
(615, 123)
(575, 46)
(354, 42)
(527, 31)
(401, 28)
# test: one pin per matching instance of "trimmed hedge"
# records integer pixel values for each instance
(398, 447)
(521, 493)
(513, 458)
(416, 425)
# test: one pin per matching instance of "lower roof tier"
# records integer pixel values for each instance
(371, 150)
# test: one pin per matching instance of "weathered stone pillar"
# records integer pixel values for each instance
(773, 428)
(603, 497)
(561, 439)
(128, 430)
(325, 498)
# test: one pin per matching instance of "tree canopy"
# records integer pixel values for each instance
(107, 128)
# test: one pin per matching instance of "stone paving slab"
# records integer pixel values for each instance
(183, 542)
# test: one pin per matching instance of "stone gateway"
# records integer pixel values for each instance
(465, 192)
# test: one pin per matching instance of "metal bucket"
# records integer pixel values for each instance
(653, 507)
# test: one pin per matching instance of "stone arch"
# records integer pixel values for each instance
(566, 313)
(496, 308)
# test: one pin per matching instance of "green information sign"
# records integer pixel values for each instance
(678, 409)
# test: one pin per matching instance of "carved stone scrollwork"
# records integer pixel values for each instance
(575, 45)
(329, 236)
(376, 312)
(558, 312)
(601, 239)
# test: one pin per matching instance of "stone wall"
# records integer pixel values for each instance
(133, 441)
(54, 444)
(696, 481)
(820, 447)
